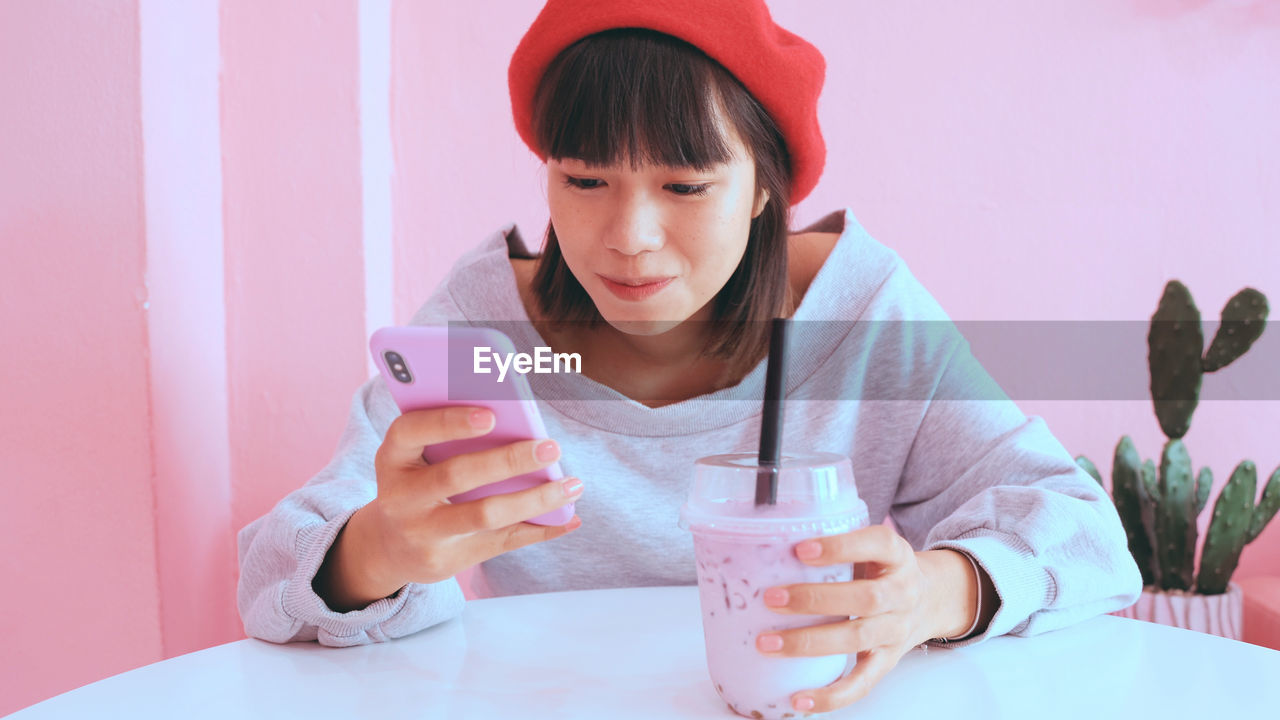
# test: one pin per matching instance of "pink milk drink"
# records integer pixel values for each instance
(742, 549)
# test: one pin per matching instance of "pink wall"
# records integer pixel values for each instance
(186, 316)
(234, 185)
(1034, 161)
(461, 171)
(295, 278)
(78, 557)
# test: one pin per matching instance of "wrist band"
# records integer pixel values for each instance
(977, 613)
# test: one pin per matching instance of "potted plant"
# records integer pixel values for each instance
(1159, 506)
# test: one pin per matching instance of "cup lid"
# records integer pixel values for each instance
(817, 495)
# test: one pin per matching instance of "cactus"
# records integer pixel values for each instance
(1159, 508)
(1266, 508)
(1232, 515)
(1204, 481)
(1243, 320)
(1174, 343)
(1126, 481)
(1147, 508)
(1174, 519)
(1149, 484)
(1090, 468)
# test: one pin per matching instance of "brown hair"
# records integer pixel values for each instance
(643, 96)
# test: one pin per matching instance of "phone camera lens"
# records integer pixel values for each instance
(397, 365)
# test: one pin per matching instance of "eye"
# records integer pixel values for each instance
(677, 188)
(582, 183)
(689, 189)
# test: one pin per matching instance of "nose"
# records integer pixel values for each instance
(636, 227)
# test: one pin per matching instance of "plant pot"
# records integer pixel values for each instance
(1221, 615)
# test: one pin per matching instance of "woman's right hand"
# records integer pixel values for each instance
(411, 532)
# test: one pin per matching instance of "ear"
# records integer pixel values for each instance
(761, 201)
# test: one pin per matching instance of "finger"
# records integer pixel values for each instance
(497, 512)
(492, 543)
(855, 597)
(871, 544)
(837, 638)
(468, 471)
(871, 668)
(411, 432)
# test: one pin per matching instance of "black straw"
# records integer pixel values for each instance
(771, 424)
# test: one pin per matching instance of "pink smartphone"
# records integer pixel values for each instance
(428, 367)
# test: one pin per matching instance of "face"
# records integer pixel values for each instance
(653, 246)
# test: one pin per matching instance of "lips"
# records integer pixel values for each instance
(635, 288)
(636, 281)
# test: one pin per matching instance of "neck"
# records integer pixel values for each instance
(681, 346)
(654, 369)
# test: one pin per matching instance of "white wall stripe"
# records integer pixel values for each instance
(186, 321)
(377, 163)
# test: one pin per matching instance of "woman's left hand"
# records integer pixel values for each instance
(890, 597)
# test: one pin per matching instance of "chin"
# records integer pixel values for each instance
(643, 327)
(634, 320)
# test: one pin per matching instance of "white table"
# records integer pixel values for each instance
(638, 653)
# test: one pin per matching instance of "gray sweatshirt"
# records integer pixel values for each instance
(877, 372)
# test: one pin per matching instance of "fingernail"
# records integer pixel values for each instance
(572, 486)
(808, 550)
(480, 419)
(547, 451)
(776, 597)
(574, 524)
(803, 703)
(770, 643)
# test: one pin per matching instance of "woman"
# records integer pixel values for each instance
(670, 180)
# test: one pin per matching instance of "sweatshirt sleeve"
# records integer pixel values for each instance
(984, 479)
(281, 552)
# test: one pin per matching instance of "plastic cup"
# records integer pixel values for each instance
(743, 549)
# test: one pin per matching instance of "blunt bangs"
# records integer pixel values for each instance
(636, 96)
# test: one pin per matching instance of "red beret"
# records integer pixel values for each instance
(779, 68)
